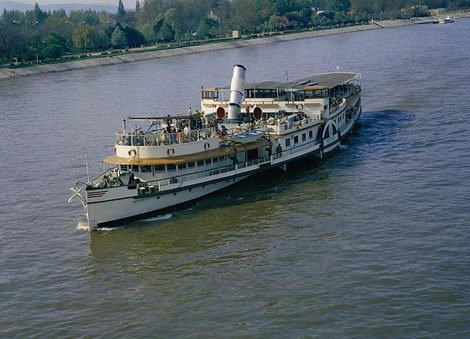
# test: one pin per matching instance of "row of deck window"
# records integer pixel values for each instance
(296, 138)
(281, 94)
(172, 167)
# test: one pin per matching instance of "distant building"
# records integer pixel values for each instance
(212, 16)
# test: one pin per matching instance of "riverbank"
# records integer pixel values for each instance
(143, 53)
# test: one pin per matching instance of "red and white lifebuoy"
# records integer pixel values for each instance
(220, 113)
(257, 112)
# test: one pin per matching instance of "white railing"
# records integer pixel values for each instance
(162, 137)
(286, 126)
(295, 150)
(339, 107)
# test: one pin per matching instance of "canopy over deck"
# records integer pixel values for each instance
(325, 80)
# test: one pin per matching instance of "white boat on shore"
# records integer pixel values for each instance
(162, 162)
(447, 20)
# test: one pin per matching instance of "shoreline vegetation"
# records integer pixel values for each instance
(128, 55)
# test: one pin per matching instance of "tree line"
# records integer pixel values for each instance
(35, 35)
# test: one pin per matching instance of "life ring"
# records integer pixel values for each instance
(170, 151)
(207, 146)
(257, 112)
(132, 153)
(220, 112)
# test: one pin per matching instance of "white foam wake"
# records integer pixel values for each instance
(160, 217)
(83, 225)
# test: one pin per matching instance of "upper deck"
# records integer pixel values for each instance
(325, 81)
(320, 85)
(315, 95)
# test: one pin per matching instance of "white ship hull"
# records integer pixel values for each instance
(114, 211)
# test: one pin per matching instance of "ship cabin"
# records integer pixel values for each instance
(293, 111)
(314, 95)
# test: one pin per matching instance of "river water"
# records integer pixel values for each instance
(371, 242)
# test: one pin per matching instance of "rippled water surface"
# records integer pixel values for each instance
(371, 242)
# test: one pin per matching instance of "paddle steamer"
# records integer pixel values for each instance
(164, 161)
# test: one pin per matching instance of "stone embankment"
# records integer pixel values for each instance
(7, 73)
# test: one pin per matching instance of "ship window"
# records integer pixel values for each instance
(261, 93)
(287, 142)
(191, 164)
(208, 162)
(221, 159)
(171, 167)
(146, 168)
(215, 160)
(334, 129)
(310, 134)
(135, 168)
(159, 168)
(296, 139)
(124, 168)
(181, 167)
(200, 163)
(209, 94)
(304, 137)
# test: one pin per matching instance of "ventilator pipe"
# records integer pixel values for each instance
(236, 92)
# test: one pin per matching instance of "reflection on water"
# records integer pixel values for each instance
(245, 210)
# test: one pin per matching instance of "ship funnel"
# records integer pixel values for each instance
(236, 92)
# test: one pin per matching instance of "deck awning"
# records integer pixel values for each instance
(325, 81)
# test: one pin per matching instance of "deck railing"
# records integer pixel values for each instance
(162, 137)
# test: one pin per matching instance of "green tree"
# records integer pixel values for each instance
(38, 14)
(148, 30)
(32, 48)
(152, 10)
(118, 39)
(12, 37)
(55, 46)
(134, 37)
(166, 33)
(245, 14)
(85, 37)
(121, 13)
(205, 28)
(175, 20)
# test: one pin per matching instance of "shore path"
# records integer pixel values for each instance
(139, 55)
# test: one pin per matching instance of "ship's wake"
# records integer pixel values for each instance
(83, 225)
(159, 217)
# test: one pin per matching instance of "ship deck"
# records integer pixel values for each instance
(325, 80)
